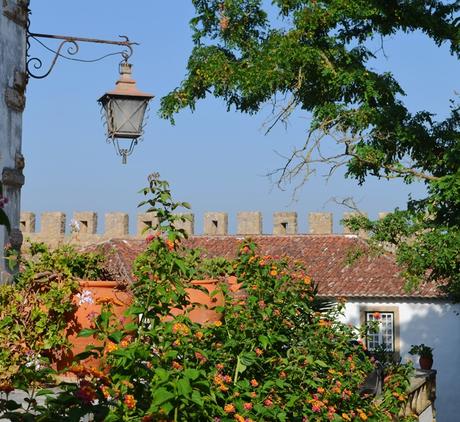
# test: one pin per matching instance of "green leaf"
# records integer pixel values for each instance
(192, 373)
(248, 358)
(162, 374)
(116, 336)
(161, 396)
(45, 392)
(136, 310)
(87, 332)
(183, 387)
(12, 405)
(240, 368)
(263, 341)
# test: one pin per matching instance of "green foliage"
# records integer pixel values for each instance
(273, 356)
(318, 54)
(34, 309)
(65, 261)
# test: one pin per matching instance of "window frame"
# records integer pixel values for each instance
(365, 310)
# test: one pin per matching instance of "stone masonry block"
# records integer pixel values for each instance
(215, 223)
(188, 225)
(87, 221)
(346, 230)
(53, 224)
(249, 222)
(116, 224)
(27, 222)
(145, 221)
(284, 223)
(320, 222)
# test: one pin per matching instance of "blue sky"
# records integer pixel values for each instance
(214, 159)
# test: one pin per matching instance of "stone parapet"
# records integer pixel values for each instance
(320, 223)
(116, 224)
(215, 223)
(83, 227)
(249, 222)
(284, 223)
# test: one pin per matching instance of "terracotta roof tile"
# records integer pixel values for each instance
(325, 257)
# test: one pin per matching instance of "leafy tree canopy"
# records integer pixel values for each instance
(316, 56)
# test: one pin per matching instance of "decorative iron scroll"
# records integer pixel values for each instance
(72, 49)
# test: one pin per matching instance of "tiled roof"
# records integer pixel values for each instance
(325, 257)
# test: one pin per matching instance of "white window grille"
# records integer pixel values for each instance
(384, 337)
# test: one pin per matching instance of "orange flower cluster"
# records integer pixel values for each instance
(169, 244)
(130, 401)
(6, 387)
(316, 404)
(229, 408)
(400, 397)
(221, 381)
(180, 328)
(176, 365)
(362, 415)
(201, 358)
(82, 371)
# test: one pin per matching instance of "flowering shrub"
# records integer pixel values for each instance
(275, 355)
(33, 311)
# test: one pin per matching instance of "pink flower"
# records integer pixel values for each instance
(315, 408)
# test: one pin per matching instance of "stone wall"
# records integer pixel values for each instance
(83, 226)
(13, 80)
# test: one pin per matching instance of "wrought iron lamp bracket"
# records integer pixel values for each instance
(73, 48)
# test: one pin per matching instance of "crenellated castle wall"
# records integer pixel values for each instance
(84, 225)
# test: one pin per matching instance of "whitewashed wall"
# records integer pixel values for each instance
(436, 324)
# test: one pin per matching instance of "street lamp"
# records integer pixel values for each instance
(124, 110)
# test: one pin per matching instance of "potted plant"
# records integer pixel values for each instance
(77, 290)
(425, 353)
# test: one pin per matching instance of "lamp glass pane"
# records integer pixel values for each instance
(127, 116)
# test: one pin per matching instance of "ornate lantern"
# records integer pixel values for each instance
(124, 110)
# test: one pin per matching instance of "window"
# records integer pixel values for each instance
(388, 328)
(385, 334)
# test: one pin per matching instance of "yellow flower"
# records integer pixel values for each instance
(345, 417)
(180, 328)
(111, 347)
(229, 408)
(363, 416)
(218, 323)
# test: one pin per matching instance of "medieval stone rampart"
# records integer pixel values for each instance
(83, 226)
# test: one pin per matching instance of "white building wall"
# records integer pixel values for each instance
(436, 324)
(13, 23)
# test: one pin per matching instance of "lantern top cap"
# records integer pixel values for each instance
(126, 85)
